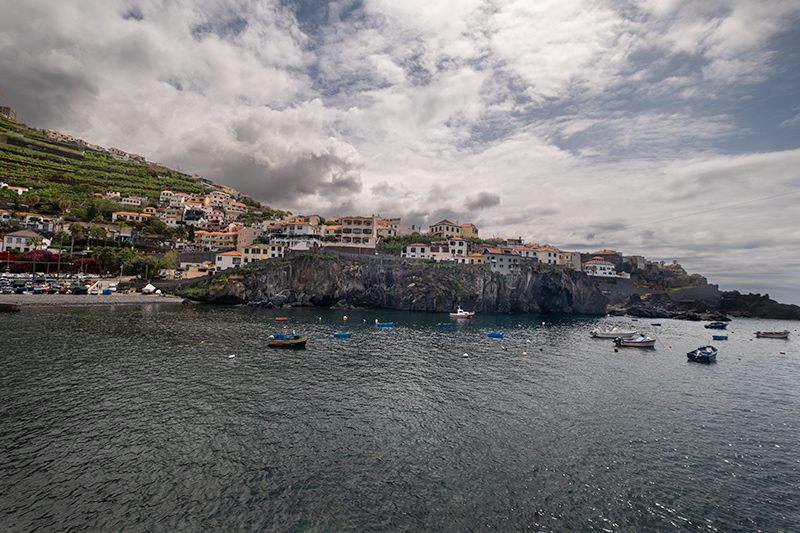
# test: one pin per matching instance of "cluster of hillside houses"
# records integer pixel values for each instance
(232, 244)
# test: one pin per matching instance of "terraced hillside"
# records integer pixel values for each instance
(60, 173)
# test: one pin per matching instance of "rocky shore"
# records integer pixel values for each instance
(80, 300)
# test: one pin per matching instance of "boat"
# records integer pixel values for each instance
(641, 342)
(384, 324)
(281, 318)
(496, 334)
(460, 313)
(445, 325)
(342, 335)
(719, 337)
(286, 341)
(614, 333)
(716, 325)
(704, 354)
(773, 334)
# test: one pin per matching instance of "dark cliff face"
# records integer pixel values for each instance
(726, 304)
(332, 282)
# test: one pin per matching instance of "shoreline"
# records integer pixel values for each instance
(83, 300)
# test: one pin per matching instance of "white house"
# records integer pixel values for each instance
(416, 251)
(228, 260)
(21, 240)
(502, 260)
(600, 267)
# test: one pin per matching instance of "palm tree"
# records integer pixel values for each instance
(60, 236)
(35, 242)
(74, 229)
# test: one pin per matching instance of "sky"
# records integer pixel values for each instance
(663, 128)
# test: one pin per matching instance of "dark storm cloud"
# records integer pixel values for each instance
(482, 201)
(288, 183)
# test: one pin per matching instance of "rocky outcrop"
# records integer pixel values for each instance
(368, 283)
(720, 308)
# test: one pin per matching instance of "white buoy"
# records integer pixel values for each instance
(465, 355)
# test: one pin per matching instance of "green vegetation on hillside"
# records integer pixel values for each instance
(60, 176)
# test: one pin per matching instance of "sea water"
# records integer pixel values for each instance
(179, 418)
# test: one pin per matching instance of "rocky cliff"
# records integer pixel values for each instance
(369, 283)
(718, 307)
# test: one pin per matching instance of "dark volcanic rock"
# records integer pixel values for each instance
(332, 282)
(729, 304)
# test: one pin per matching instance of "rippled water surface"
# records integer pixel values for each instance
(138, 419)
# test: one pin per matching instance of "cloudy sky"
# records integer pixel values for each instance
(664, 128)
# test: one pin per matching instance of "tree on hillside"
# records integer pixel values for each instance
(60, 236)
(74, 229)
(36, 242)
(104, 257)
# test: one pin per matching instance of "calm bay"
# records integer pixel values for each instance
(137, 418)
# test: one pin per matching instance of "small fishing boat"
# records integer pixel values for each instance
(716, 325)
(281, 318)
(704, 354)
(614, 333)
(655, 323)
(460, 313)
(342, 335)
(384, 324)
(773, 334)
(286, 341)
(496, 334)
(445, 325)
(719, 337)
(641, 342)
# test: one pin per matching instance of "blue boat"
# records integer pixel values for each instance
(342, 335)
(716, 325)
(385, 324)
(704, 354)
(496, 334)
(719, 337)
(445, 325)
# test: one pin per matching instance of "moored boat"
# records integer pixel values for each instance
(445, 325)
(773, 334)
(286, 341)
(384, 324)
(460, 313)
(716, 325)
(342, 335)
(281, 318)
(495, 334)
(641, 342)
(614, 333)
(704, 354)
(719, 337)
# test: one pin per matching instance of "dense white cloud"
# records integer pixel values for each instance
(582, 124)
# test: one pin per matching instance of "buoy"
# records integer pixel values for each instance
(524, 353)
(506, 348)
(616, 349)
(465, 355)
(201, 342)
(345, 317)
(528, 341)
(231, 356)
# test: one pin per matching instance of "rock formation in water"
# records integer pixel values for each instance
(311, 280)
(716, 306)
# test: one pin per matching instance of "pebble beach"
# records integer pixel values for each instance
(116, 298)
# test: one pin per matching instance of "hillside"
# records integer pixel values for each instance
(61, 174)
